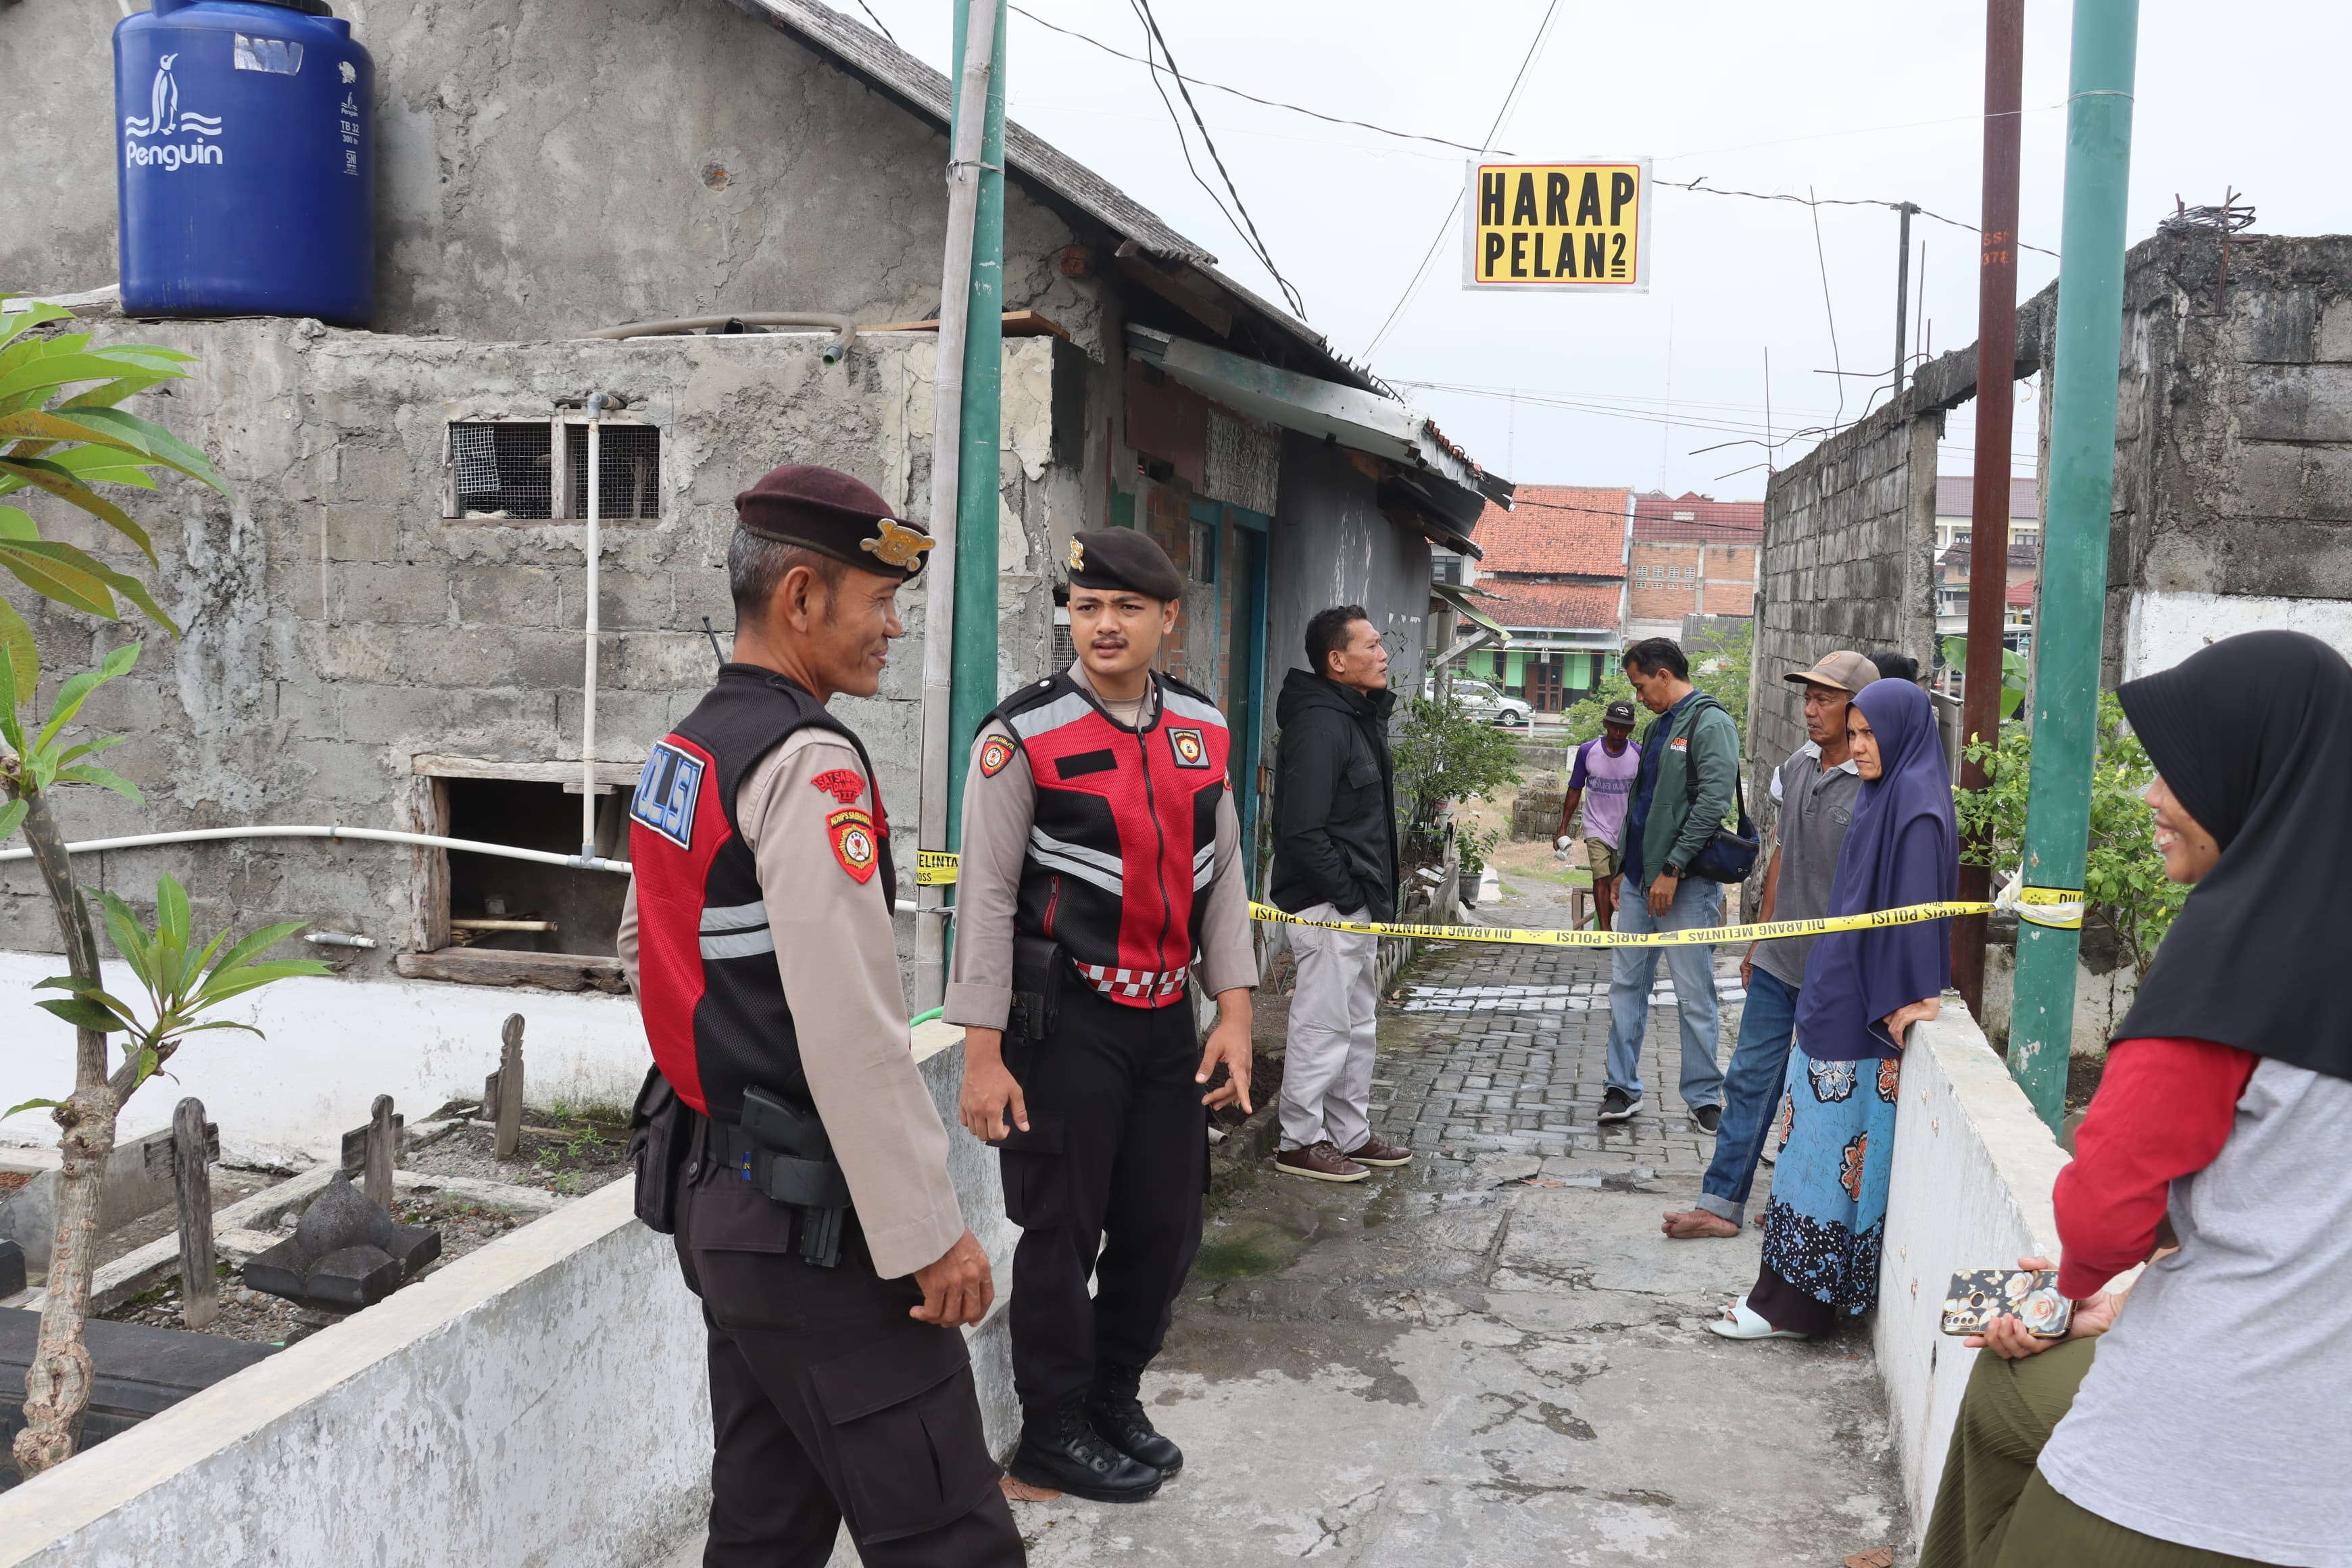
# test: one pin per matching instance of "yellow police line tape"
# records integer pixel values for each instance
(2060, 908)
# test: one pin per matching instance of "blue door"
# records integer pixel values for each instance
(1239, 537)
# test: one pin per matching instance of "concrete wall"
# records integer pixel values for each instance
(337, 628)
(1973, 1169)
(1848, 557)
(1334, 545)
(2233, 447)
(548, 167)
(542, 1400)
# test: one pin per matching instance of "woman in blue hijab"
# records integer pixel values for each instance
(1863, 992)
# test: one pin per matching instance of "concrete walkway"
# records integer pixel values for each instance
(1492, 1358)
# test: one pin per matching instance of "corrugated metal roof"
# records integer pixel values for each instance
(1027, 155)
(927, 91)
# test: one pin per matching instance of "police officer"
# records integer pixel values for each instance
(1101, 874)
(813, 1210)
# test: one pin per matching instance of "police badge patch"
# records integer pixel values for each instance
(851, 833)
(841, 784)
(994, 753)
(1190, 746)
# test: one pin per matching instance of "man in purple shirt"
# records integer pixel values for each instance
(1607, 766)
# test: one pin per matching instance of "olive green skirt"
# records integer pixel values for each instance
(1994, 1510)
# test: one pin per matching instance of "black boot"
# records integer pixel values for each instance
(1060, 1448)
(1118, 1415)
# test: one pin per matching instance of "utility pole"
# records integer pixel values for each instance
(1902, 297)
(2067, 641)
(980, 49)
(1996, 411)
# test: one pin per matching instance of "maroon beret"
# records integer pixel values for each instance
(1116, 559)
(833, 514)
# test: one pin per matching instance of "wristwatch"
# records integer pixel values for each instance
(1673, 870)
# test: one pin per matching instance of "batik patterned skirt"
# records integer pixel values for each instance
(1827, 1219)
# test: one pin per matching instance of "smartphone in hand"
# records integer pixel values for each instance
(2028, 1295)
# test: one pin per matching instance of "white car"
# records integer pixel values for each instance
(1491, 706)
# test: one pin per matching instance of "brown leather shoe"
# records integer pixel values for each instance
(1378, 1151)
(1320, 1163)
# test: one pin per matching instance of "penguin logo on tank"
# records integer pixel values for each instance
(165, 118)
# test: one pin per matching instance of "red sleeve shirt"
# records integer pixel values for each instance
(2164, 1109)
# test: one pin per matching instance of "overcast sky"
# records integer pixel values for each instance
(1860, 100)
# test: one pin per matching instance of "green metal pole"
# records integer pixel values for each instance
(2068, 634)
(975, 641)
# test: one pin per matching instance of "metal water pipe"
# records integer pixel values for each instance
(979, 45)
(2069, 628)
(598, 401)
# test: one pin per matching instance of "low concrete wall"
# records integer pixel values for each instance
(331, 1046)
(542, 1401)
(1970, 1189)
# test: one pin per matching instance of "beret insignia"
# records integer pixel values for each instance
(897, 545)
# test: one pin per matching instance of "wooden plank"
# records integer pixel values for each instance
(1017, 325)
(553, 971)
(1178, 290)
(161, 1154)
(510, 1090)
(355, 1144)
(192, 1194)
(383, 1128)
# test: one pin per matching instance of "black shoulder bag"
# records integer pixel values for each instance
(1729, 856)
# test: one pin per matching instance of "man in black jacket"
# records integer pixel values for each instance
(1335, 857)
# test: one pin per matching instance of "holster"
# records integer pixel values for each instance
(1038, 963)
(660, 1126)
(784, 1151)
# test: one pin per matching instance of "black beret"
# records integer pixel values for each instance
(1124, 559)
(828, 512)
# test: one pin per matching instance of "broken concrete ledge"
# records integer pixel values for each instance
(546, 1393)
(1971, 1188)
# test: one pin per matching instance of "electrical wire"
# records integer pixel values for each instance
(1817, 202)
(1237, 92)
(1256, 241)
(1535, 45)
(877, 23)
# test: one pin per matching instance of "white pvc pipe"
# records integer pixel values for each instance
(369, 835)
(588, 681)
(946, 450)
(337, 831)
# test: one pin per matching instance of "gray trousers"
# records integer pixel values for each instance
(1326, 1068)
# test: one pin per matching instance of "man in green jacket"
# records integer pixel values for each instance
(1690, 758)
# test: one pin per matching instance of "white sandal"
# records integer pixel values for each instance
(1741, 1321)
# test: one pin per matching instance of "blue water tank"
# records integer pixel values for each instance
(248, 162)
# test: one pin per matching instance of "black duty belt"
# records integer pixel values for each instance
(815, 1187)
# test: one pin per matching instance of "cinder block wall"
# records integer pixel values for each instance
(338, 627)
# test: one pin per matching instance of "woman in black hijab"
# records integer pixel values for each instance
(2209, 1425)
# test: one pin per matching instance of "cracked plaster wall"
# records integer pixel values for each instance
(548, 167)
(338, 627)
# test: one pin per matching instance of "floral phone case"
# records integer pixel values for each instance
(2030, 1295)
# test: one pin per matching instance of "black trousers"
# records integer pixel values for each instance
(1106, 1183)
(829, 1403)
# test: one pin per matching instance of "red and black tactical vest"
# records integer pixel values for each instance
(713, 1003)
(1124, 838)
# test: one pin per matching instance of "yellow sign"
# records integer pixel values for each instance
(935, 869)
(1558, 227)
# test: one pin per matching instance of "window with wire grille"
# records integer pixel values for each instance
(628, 464)
(502, 468)
(537, 470)
(1065, 651)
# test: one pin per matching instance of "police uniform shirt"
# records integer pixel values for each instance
(997, 814)
(840, 971)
